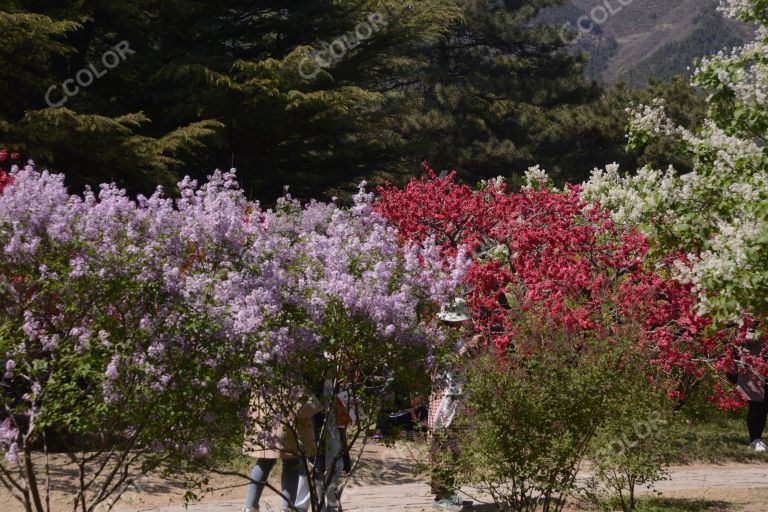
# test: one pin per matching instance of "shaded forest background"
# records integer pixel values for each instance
(485, 87)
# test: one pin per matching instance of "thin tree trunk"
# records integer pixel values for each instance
(29, 469)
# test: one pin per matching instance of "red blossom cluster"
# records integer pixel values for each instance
(5, 178)
(548, 255)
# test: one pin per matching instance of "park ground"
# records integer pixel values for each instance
(720, 474)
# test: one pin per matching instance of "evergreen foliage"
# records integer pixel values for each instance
(316, 95)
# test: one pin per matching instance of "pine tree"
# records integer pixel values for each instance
(288, 120)
(235, 62)
(91, 134)
(491, 94)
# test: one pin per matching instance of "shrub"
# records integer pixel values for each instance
(531, 418)
(638, 440)
(136, 333)
(117, 348)
(551, 250)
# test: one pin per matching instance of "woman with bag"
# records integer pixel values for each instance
(289, 439)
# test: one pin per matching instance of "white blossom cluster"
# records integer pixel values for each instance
(728, 260)
(632, 199)
(718, 213)
(726, 237)
(743, 70)
(737, 9)
(652, 119)
(536, 178)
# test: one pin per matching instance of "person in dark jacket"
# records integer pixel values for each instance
(752, 387)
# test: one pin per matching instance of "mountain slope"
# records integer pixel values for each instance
(647, 38)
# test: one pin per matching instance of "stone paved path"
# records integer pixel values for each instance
(414, 495)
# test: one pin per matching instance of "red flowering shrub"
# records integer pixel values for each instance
(548, 256)
(5, 178)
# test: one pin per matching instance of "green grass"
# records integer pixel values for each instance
(719, 440)
(676, 505)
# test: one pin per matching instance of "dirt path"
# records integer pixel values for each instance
(734, 488)
(731, 487)
(386, 483)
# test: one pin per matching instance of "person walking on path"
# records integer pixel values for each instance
(444, 402)
(289, 440)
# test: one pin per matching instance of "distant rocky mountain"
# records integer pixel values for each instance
(635, 40)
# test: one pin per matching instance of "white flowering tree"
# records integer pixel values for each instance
(717, 214)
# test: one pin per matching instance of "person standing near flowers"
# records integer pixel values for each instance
(444, 401)
(753, 387)
(287, 439)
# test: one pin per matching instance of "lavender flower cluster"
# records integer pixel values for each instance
(156, 296)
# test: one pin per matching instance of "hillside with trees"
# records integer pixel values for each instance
(649, 39)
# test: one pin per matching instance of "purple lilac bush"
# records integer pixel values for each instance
(135, 332)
